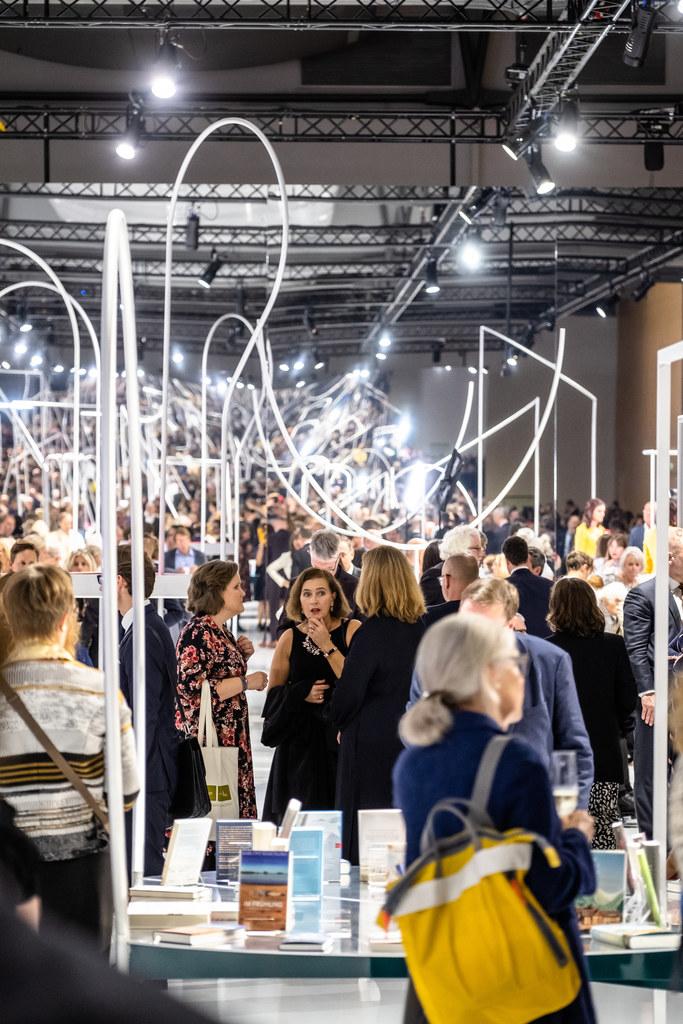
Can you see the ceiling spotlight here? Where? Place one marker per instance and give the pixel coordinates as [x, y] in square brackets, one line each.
[518, 71]
[239, 385]
[20, 349]
[128, 145]
[512, 359]
[36, 360]
[319, 363]
[309, 323]
[163, 82]
[601, 311]
[299, 364]
[470, 254]
[215, 264]
[26, 327]
[5, 365]
[499, 209]
[364, 373]
[543, 183]
[192, 230]
[432, 286]
[642, 23]
[300, 384]
[473, 370]
[58, 368]
[567, 133]
[177, 358]
[462, 212]
[381, 356]
[385, 339]
[284, 367]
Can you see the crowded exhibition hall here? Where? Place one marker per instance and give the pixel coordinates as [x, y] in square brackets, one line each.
[341, 511]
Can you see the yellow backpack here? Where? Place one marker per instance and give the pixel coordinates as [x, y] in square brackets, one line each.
[478, 944]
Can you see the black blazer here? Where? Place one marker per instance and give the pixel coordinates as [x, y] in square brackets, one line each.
[430, 585]
[439, 611]
[607, 695]
[160, 691]
[169, 558]
[534, 600]
[639, 631]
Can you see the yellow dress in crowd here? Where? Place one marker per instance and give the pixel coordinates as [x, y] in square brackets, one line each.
[586, 539]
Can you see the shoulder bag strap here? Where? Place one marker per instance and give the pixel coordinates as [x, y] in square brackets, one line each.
[483, 783]
[206, 733]
[15, 702]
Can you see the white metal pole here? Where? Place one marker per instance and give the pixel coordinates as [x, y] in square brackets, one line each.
[480, 425]
[537, 468]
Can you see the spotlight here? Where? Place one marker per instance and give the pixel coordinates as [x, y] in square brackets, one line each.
[437, 210]
[567, 134]
[300, 384]
[473, 370]
[470, 254]
[239, 385]
[26, 327]
[432, 286]
[364, 373]
[128, 145]
[177, 358]
[680, 6]
[5, 365]
[518, 71]
[36, 360]
[58, 368]
[318, 363]
[601, 311]
[642, 24]
[470, 213]
[309, 323]
[511, 359]
[543, 183]
[642, 288]
[381, 356]
[215, 264]
[92, 372]
[192, 230]
[499, 210]
[299, 364]
[20, 349]
[284, 367]
[165, 71]
[385, 339]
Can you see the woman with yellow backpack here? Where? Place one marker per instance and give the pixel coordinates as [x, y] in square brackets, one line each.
[486, 905]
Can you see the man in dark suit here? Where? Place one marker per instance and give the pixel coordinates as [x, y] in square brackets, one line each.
[461, 540]
[457, 573]
[639, 635]
[160, 689]
[551, 718]
[183, 557]
[534, 591]
[499, 531]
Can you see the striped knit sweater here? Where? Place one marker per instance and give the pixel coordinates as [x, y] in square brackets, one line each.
[67, 700]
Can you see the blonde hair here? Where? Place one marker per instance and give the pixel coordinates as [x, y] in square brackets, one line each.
[388, 587]
[450, 665]
[35, 602]
[85, 555]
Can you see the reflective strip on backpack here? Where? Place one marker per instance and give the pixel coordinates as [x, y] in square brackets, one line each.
[492, 861]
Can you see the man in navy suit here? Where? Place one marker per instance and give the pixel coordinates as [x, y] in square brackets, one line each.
[552, 718]
[183, 557]
[639, 636]
[160, 690]
[534, 591]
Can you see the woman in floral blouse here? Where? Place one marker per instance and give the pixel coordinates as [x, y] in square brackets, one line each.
[207, 651]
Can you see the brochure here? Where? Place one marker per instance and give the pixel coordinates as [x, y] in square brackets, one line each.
[306, 849]
[331, 823]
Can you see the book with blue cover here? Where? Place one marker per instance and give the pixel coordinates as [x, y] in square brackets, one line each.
[265, 890]
[331, 823]
[306, 846]
[232, 836]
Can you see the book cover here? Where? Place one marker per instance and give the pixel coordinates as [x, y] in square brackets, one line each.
[636, 936]
[606, 904]
[306, 847]
[265, 890]
[378, 828]
[192, 935]
[186, 851]
[331, 823]
[232, 836]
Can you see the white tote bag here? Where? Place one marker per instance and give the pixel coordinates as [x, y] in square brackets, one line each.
[221, 766]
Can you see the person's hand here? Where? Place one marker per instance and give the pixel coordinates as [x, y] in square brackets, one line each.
[647, 708]
[582, 821]
[257, 681]
[246, 647]
[317, 630]
[317, 692]
[518, 623]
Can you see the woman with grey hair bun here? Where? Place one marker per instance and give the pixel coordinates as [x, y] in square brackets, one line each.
[473, 680]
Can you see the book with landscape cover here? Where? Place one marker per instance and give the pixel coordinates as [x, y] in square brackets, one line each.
[265, 890]
[606, 904]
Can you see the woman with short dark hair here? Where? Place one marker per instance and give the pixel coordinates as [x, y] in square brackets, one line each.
[308, 661]
[208, 652]
[606, 689]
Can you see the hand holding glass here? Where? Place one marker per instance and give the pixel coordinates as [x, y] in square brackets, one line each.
[565, 782]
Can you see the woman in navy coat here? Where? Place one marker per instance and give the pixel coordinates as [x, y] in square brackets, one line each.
[474, 689]
[374, 687]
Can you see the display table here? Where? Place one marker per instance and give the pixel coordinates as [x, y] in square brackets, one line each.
[347, 914]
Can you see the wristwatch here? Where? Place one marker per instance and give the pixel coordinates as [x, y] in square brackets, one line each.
[330, 652]
[245, 683]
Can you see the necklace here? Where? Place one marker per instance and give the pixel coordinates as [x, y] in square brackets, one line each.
[311, 646]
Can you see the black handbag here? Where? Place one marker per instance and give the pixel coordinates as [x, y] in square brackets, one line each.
[191, 798]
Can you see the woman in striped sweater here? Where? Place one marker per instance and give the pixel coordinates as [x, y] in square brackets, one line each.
[67, 701]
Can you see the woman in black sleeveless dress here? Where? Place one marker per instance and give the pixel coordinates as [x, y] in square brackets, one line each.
[307, 663]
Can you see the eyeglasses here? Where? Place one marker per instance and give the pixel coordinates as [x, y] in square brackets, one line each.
[521, 660]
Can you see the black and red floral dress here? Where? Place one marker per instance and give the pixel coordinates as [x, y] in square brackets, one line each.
[207, 652]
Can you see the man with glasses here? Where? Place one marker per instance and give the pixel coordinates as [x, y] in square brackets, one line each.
[457, 573]
[461, 540]
[552, 718]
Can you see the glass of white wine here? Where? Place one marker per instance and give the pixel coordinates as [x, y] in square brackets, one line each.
[565, 782]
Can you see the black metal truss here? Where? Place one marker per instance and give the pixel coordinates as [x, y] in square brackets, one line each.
[394, 15]
[44, 121]
[198, 193]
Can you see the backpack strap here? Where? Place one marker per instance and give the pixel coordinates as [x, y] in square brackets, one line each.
[483, 782]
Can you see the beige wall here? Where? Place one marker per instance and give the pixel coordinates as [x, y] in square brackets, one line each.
[643, 328]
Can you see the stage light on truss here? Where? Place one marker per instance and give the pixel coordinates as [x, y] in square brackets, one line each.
[141, 373]
[470, 252]
[448, 367]
[385, 339]
[250, 386]
[240, 385]
[543, 182]
[177, 358]
[92, 372]
[679, 5]
[309, 323]
[381, 356]
[26, 327]
[284, 367]
[128, 145]
[5, 365]
[601, 311]
[192, 230]
[164, 77]
[58, 368]
[364, 373]
[300, 384]
[512, 358]
[319, 364]
[474, 370]
[21, 348]
[215, 264]
[567, 132]
[36, 360]
[299, 364]
[432, 286]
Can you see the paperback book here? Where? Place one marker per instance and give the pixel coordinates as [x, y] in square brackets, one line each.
[606, 904]
[265, 890]
[186, 851]
[232, 836]
[306, 847]
[378, 828]
[331, 823]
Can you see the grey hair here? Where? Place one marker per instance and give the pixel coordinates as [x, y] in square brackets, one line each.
[457, 541]
[450, 665]
[632, 550]
[325, 545]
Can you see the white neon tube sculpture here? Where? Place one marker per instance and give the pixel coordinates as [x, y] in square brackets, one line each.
[117, 277]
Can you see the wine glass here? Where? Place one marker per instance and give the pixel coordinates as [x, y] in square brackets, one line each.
[565, 782]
